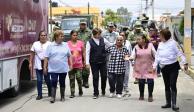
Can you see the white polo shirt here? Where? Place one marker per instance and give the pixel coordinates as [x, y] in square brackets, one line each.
[39, 50]
[168, 53]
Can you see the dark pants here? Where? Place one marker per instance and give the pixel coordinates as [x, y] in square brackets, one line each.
[54, 79]
[170, 75]
[85, 75]
[96, 68]
[39, 74]
[142, 86]
[158, 69]
[116, 80]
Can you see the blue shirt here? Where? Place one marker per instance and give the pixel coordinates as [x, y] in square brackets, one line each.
[58, 55]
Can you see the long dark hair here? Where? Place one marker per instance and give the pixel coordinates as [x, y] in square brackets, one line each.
[40, 34]
[72, 32]
[143, 36]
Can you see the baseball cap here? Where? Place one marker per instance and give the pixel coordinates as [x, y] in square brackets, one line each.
[110, 24]
[137, 25]
[83, 21]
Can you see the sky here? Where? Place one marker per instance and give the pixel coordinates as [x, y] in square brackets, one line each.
[134, 6]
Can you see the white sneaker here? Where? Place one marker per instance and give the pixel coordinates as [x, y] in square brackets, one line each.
[119, 96]
[111, 95]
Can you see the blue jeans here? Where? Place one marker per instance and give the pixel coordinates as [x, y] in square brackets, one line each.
[39, 74]
[54, 79]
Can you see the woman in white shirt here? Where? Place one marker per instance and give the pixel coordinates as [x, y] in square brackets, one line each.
[36, 61]
[166, 56]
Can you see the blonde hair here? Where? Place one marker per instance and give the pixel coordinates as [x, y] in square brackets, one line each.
[57, 33]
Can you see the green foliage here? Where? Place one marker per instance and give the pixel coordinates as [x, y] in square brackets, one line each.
[123, 11]
[125, 16]
[181, 27]
[111, 16]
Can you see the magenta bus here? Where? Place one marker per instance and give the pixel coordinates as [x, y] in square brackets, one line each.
[20, 22]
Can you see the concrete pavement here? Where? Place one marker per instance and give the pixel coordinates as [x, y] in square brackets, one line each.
[105, 104]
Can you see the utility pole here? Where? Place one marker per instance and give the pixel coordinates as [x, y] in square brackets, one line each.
[146, 8]
[187, 30]
[153, 9]
[141, 8]
[88, 8]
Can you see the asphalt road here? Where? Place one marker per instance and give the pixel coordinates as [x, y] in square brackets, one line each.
[26, 101]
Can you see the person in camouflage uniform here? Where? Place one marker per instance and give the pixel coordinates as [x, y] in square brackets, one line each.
[84, 34]
[136, 32]
[51, 36]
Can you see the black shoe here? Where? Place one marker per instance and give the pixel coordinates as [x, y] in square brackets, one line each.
[62, 99]
[38, 97]
[52, 100]
[95, 97]
[166, 106]
[80, 93]
[175, 108]
[174, 96]
[53, 95]
[103, 93]
[86, 85]
[72, 96]
[136, 82]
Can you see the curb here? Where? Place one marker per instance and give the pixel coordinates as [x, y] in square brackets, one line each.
[191, 72]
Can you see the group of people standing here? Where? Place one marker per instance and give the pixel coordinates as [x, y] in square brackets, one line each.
[108, 55]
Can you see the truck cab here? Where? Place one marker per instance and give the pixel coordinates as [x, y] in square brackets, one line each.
[72, 22]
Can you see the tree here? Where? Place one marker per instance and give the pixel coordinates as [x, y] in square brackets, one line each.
[125, 15]
[111, 16]
[122, 11]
